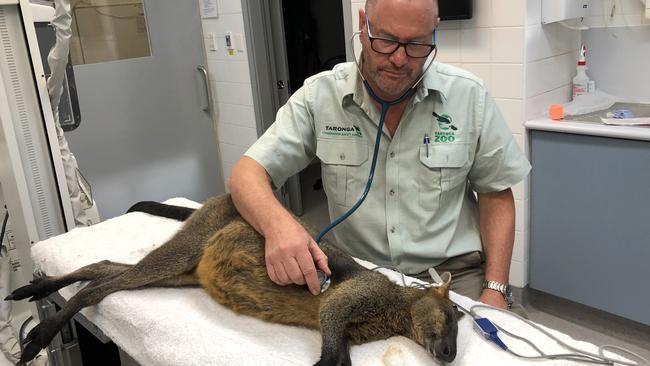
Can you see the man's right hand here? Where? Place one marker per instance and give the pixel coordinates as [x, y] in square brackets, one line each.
[292, 257]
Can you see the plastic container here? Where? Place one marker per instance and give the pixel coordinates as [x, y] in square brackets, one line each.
[581, 80]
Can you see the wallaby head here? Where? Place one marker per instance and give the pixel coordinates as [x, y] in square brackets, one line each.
[435, 321]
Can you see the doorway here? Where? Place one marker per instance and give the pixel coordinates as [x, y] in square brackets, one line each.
[147, 131]
[288, 41]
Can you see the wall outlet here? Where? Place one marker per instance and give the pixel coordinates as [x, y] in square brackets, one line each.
[212, 41]
[11, 240]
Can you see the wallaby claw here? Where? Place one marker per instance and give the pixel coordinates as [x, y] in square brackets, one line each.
[37, 289]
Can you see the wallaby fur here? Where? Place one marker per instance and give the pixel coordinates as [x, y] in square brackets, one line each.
[219, 251]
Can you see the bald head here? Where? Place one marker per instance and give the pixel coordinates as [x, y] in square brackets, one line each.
[371, 3]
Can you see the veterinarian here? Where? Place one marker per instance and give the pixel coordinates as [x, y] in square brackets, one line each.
[442, 144]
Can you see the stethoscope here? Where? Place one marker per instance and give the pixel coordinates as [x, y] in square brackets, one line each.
[385, 105]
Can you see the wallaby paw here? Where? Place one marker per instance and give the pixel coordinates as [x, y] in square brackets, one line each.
[37, 289]
[326, 361]
[37, 339]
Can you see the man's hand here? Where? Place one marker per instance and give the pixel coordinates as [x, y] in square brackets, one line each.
[292, 257]
[493, 298]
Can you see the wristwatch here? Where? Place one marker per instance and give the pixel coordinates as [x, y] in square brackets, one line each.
[503, 288]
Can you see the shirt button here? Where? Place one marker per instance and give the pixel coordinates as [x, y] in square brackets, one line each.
[392, 229]
[391, 192]
[342, 156]
[392, 154]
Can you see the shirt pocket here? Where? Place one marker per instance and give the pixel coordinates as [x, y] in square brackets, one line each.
[344, 170]
[445, 169]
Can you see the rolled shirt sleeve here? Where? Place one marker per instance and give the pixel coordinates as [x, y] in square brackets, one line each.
[288, 145]
[499, 162]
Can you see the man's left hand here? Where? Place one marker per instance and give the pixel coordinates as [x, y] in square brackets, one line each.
[493, 298]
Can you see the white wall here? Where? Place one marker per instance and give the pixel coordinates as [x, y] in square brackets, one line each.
[231, 85]
[619, 49]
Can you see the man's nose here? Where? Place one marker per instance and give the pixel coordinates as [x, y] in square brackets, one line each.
[399, 57]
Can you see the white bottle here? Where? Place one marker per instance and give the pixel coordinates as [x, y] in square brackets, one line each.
[581, 80]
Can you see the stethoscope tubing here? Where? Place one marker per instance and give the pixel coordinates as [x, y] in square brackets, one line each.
[385, 105]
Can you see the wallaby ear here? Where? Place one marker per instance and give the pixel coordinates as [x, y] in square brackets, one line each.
[442, 290]
[459, 314]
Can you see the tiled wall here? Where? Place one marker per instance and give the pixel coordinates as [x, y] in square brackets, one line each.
[231, 85]
[625, 13]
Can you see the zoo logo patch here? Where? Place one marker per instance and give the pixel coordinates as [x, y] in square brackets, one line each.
[447, 128]
[342, 131]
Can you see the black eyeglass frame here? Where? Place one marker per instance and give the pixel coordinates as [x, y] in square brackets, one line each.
[399, 44]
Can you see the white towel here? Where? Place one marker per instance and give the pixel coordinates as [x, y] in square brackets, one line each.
[185, 327]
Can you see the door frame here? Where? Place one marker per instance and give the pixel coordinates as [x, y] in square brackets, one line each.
[268, 67]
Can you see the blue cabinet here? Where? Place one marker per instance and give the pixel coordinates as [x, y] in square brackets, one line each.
[590, 221]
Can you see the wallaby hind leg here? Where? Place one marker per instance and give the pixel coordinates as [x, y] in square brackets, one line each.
[157, 268]
[41, 287]
[130, 278]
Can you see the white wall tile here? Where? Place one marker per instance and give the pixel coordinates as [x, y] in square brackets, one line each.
[549, 74]
[519, 215]
[482, 71]
[475, 45]
[508, 45]
[449, 24]
[513, 112]
[231, 153]
[544, 41]
[481, 17]
[230, 71]
[448, 45]
[518, 274]
[225, 23]
[226, 171]
[518, 190]
[519, 251]
[235, 114]
[508, 81]
[229, 6]
[234, 93]
[236, 135]
[533, 12]
[537, 106]
[508, 13]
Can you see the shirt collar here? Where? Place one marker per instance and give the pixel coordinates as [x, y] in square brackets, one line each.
[354, 90]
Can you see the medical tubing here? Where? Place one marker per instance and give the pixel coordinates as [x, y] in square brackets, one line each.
[582, 356]
[384, 109]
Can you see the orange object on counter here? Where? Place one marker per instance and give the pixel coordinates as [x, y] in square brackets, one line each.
[556, 112]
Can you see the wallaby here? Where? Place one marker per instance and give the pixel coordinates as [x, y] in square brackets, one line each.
[219, 251]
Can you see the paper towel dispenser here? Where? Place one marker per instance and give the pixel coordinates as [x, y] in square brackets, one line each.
[561, 10]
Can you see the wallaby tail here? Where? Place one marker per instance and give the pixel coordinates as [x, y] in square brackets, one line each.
[160, 209]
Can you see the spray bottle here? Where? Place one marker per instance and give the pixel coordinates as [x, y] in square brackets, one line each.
[581, 82]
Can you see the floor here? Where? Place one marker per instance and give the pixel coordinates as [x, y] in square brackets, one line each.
[576, 320]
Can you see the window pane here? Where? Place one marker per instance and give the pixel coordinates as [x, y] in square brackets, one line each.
[107, 30]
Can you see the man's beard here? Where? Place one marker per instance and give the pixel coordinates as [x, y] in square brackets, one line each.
[389, 85]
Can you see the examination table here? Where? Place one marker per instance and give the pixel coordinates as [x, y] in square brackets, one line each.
[185, 327]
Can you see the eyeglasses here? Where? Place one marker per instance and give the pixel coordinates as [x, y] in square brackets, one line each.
[387, 46]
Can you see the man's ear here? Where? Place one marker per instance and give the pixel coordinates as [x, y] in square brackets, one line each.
[362, 19]
[443, 290]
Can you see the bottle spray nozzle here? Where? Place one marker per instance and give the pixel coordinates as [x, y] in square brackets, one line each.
[582, 60]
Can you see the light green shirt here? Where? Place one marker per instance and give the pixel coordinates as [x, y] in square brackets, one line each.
[420, 209]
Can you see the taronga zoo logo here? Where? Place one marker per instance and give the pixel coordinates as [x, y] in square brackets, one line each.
[447, 128]
[347, 131]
